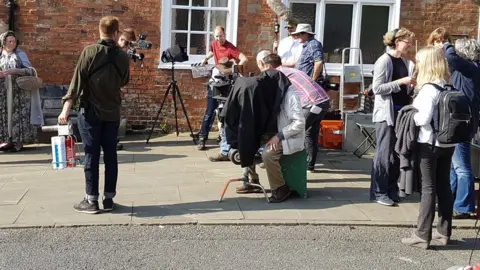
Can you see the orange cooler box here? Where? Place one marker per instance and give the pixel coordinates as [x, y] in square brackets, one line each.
[331, 134]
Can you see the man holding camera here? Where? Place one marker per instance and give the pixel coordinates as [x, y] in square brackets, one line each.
[124, 42]
[101, 71]
[219, 49]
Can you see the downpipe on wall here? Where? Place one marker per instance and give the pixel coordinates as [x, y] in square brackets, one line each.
[11, 4]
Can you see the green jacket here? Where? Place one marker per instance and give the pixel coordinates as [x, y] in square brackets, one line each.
[98, 84]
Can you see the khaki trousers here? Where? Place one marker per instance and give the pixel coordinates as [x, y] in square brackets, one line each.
[271, 159]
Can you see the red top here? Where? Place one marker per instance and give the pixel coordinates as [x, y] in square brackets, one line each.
[226, 50]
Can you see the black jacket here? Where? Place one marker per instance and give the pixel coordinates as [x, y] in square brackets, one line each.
[407, 133]
[251, 111]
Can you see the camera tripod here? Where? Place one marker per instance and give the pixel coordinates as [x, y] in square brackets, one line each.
[173, 87]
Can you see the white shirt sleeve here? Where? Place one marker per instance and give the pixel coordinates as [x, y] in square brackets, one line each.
[425, 103]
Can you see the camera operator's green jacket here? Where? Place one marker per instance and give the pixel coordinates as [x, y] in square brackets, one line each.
[101, 71]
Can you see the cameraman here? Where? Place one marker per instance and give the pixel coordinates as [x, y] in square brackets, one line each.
[219, 49]
[124, 42]
[126, 38]
[101, 71]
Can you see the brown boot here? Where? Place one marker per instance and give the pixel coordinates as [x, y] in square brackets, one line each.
[218, 157]
[280, 194]
[244, 189]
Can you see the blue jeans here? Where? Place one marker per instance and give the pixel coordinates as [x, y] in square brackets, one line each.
[210, 114]
[461, 179]
[98, 134]
[224, 146]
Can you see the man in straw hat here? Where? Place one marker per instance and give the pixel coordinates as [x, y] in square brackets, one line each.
[311, 60]
[288, 48]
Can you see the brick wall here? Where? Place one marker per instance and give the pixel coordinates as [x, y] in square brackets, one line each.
[53, 33]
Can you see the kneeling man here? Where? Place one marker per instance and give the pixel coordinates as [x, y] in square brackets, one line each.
[289, 139]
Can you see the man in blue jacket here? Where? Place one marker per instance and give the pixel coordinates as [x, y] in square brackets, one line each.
[463, 60]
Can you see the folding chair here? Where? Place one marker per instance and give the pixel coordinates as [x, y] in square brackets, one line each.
[369, 139]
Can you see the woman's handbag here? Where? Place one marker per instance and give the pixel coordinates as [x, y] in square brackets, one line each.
[29, 83]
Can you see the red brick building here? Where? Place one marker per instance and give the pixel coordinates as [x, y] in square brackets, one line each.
[53, 33]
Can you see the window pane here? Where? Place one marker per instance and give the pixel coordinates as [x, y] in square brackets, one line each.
[199, 3]
[199, 20]
[180, 2]
[305, 13]
[179, 39]
[179, 19]
[374, 26]
[197, 44]
[338, 31]
[218, 18]
[219, 3]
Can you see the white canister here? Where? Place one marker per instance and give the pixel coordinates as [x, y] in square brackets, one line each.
[59, 153]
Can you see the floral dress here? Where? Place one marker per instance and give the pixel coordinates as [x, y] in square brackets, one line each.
[22, 131]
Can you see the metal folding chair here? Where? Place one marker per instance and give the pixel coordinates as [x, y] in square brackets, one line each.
[369, 139]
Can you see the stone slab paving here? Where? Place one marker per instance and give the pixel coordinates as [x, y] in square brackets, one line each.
[170, 182]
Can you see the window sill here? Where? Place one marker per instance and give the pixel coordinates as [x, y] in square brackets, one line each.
[332, 70]
[181, 66]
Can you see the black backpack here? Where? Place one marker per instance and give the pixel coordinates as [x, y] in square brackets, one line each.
[453, 121]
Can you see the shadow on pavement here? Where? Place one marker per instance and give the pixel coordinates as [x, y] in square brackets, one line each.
[319, 198]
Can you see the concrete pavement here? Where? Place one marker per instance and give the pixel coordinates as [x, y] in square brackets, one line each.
[170, 182]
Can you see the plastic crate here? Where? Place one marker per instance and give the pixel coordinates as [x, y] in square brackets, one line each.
[331, 134]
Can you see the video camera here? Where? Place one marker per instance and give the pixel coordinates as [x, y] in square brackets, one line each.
[223, 84]
[326, 84]
[141, 43]
[174, 54]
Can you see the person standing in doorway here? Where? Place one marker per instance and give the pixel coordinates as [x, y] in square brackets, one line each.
[311, 59]
[289, 49]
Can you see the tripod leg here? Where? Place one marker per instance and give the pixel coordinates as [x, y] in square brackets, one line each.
[186, 115]
[174, 95]
[159, 111]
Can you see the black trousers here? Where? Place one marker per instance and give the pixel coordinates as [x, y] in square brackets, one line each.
[312, 131]
[435, 177]
[386, 164]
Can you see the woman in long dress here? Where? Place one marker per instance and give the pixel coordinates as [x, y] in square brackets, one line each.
[17, 124]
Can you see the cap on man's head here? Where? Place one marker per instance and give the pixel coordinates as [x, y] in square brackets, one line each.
[292, 23]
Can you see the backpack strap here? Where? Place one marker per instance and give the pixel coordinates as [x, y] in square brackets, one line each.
[432, 123]
[111, 59]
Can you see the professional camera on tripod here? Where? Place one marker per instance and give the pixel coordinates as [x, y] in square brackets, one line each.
[141, 43]
[171, 55]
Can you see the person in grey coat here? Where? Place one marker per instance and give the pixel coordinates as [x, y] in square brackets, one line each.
[392, 84]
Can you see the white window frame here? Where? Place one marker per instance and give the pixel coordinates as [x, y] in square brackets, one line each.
[166, 27]
[336, 68]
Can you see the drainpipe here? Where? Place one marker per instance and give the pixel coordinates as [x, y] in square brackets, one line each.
[11, 14]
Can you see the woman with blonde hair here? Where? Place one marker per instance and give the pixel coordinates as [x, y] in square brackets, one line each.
[434, 159]
[392, 83]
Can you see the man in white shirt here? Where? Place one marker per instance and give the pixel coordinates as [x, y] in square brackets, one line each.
[289, 49]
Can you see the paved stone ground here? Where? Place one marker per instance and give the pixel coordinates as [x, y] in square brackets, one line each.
[170, 182]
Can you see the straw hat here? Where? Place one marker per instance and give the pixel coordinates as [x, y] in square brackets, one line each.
[303, 28]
